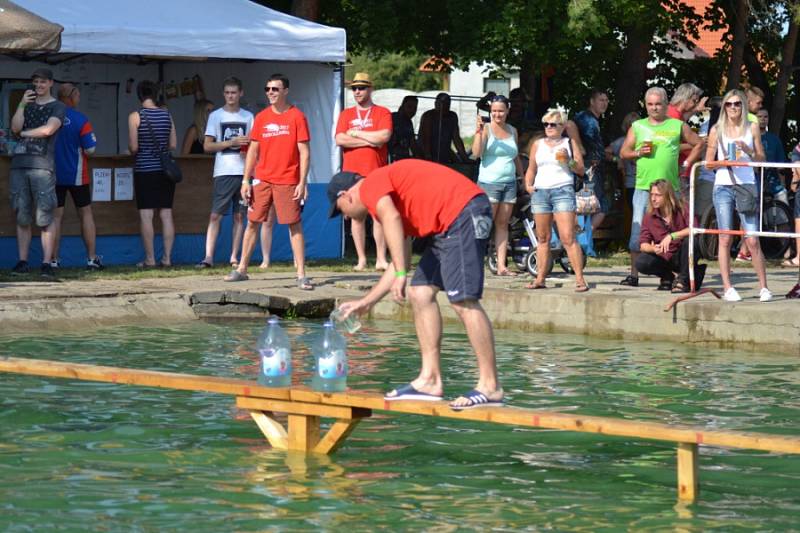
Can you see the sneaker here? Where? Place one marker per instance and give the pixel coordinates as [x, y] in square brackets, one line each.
[21, 268]
[764, 295]
[47, 271]
[55, 263]
[731, 296]
[742, 257]
[94, 264]
[630, 281]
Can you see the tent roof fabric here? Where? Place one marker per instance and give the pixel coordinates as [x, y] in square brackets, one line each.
[231, 29]
[23, 31]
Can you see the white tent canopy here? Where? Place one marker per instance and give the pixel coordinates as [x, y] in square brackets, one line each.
[189, 28]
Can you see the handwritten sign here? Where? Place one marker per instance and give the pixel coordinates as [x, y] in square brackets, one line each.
[123, 184]
[101, 185]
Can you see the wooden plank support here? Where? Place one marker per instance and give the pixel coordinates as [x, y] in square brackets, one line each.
[304, 423]
[687, 471]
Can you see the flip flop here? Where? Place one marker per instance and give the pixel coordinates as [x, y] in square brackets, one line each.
[789, 263]
[506, 274]
[203, 264]
[304, 284]
[408, 392]
[145, 266]
[534, 286]
[477, 399]
[581, 287]
[235, 275]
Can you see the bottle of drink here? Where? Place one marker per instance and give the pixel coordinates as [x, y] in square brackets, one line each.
[276, 356]
[351, 323]
[330, 355]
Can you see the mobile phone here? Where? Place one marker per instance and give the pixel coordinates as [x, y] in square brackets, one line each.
[31, 87]
[485, 120]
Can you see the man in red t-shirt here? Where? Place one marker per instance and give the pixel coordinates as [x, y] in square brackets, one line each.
[415, 198]
[279, 154]
[363, 131]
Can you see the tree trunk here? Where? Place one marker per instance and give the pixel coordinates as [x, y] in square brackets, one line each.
[632, 75]
[738, 22]
[306, 9]
[527, 81]
[778, 110]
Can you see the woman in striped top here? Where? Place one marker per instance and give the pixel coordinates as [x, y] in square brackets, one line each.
[151, 130]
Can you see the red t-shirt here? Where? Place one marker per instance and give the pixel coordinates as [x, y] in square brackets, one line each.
[429, 196]
[366, 159]
[672, 112]
[277, 135]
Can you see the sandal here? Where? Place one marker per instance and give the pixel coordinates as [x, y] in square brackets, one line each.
[203, 264]
[665, 285]
[581, 287]
[145, 266]
[506, 274]
[790, 263]
[678, 287]
[630, 281]
[304, 284]
[235, 275]
[534, 285]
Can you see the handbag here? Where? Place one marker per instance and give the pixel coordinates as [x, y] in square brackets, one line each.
[169, 167]
[586, 202]
[746, 194]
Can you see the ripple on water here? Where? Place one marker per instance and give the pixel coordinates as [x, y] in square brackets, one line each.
[124, 458]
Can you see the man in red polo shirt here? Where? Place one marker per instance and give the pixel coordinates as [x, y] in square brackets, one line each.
[279, 153]
[362, 132]
[414, 198]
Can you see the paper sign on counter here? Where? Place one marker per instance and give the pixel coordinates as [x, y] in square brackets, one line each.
[123, 184]
[101, 185]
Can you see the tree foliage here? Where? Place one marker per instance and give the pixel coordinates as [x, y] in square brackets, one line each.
[394, 71]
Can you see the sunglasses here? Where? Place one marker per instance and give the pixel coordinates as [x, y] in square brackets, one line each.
[733, 104]
[551, 124]
[359, 88]
[273, 89]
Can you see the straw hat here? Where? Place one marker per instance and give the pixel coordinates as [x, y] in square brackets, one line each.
[361, 79]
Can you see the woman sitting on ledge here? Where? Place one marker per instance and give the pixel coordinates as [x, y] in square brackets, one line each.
[664, 241]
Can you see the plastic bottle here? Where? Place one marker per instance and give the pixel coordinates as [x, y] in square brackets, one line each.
[351, 323]
[276, 356]
[330, 356]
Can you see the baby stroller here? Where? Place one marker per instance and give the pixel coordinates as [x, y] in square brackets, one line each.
[522, 241]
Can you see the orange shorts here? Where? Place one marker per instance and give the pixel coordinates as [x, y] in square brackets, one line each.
[265, 194]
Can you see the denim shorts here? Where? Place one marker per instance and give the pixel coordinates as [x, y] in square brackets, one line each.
[797, 205]
[557, 200]
[505, 193]
[724, 203]
[33, 195]
[453, 261]
[641, 197]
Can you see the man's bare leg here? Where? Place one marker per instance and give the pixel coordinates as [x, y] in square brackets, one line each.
[380, 245]
[359, 230]
[481, 337]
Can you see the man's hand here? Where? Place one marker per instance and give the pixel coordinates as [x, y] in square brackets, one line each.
[246, 192]
[357, 307]
[399, 289]
[299, 192]
[665, 242]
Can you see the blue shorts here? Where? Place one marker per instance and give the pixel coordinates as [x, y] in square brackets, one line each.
[641, 197]
[453, 261]
[724, 203]
[797, 205]
[500, 192]
[558, 200]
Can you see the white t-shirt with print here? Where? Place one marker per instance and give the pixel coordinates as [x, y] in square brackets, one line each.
[223, 125]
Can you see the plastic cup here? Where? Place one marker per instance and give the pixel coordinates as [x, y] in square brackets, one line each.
[351, 323]
[562, 157]
[648, 145]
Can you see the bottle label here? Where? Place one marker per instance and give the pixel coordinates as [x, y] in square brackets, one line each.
[333, 366]
[275, 363]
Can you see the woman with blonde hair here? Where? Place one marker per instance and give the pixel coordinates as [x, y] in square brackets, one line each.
[549, 179]
[195, 134]
[734, 136]
[664, 240]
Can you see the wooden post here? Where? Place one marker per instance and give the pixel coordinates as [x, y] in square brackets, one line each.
[303, 432]
[687, 471]
[272, 429]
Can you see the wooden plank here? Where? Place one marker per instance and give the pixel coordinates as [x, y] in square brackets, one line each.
[687, 471]
[370, 400]
[303, 432]
[272, 430]
[336, 435]
[300, 408]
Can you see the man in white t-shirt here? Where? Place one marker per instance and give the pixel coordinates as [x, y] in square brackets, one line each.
[227, 132]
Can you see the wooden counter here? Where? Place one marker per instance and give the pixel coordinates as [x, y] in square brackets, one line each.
[190, 210]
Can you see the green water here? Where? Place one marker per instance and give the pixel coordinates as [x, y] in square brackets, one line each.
[78, 456]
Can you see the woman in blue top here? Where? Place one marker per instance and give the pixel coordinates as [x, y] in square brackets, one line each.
[496, 144]
[151, 130]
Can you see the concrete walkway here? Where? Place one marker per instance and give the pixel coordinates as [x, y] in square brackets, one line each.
[608, 310]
